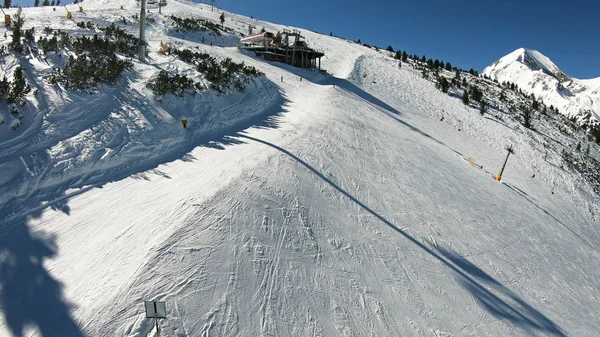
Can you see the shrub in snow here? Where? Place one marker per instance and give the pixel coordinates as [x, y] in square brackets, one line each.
[176, 85]
[221, 75]
[84, 72]
[47, 45]
[198, 25]
[15, 123]
[29, 35]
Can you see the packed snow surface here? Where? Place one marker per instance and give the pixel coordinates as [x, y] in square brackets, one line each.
[339, 205]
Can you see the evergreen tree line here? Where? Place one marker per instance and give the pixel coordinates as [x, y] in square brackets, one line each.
[177, 84]
[199, 25]
[85, 72]
[221, 75]
[97, 60]
[36, 3]
[86, 25]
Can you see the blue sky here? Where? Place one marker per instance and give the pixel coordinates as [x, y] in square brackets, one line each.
[467, 33]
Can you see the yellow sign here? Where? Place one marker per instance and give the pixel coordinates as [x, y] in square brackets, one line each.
[184, 122]
[69, 16]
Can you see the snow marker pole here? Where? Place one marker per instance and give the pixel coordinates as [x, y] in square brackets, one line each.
[142, 27]
[510, 150]
[156, 320]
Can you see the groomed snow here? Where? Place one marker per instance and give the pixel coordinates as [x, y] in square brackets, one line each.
[333, 206]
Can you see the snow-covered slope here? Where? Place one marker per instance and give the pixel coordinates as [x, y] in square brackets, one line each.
[536, 74]
[333, 206]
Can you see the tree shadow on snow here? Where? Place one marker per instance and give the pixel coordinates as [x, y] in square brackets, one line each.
[30, 297]
[500, 301]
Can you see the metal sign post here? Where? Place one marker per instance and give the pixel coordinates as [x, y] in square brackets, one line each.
[156, 310]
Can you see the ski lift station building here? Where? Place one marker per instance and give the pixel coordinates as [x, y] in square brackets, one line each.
[297, 53]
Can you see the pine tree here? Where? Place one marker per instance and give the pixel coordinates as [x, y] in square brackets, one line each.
[483, 107]
[457, 75]
[436, 63]
[36, 3]
[465, 97]
[57, 2]
[16, 37]
[464, 82]
[535, 104]
[4, 88]
[404, 56]
[389, 48]
[595, 131]
[358, 41]
[448, 66]
[423, 59]
[222, 18]
[527, 116]
[476, 94]
[7, 3]
[46, 3]
[398, 55]
[430, 63]
[443, 84]
[52, 3]
[19, 86]
[278, 38]
[263, 30]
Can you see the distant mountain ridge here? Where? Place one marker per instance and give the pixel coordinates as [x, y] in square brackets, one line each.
[536, 74]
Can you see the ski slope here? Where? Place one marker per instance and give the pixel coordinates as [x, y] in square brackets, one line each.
[339, 205]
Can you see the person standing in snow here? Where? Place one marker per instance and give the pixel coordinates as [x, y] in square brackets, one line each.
[282, 78]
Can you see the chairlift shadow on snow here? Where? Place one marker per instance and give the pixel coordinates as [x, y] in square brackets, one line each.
[390, 111]
[500, 301]
[526, 197]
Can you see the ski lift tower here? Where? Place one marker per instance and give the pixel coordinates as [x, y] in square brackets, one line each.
[296, 34]
[142, 28]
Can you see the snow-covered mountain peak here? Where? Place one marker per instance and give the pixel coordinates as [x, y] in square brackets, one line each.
[535, 73]
[529, 59]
